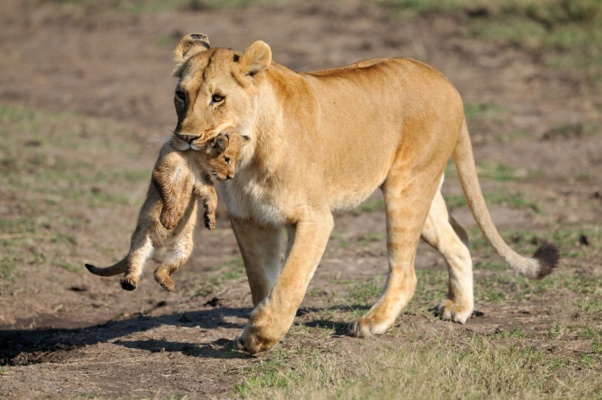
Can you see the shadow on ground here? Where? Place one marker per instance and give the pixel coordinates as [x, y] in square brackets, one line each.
[32, 346]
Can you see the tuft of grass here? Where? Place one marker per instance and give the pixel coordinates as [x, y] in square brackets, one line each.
[480, 368]
[220, 275]
[371, 205]
[482, 110]
[512, 200]
[360, 293]
[498, 172]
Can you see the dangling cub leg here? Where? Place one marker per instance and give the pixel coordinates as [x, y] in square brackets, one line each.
[177, 251]
[141, 250]
[446, 236]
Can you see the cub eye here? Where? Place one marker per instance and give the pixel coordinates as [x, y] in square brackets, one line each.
[216, 98]
[227, 160]
[180, 96]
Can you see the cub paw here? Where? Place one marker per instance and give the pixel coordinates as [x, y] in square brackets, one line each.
[165, 282]
[209, 221]
[450, 311]
[168, 221]
[128, 283]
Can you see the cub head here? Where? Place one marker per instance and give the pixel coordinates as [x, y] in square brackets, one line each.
[216, 89]
[219, 156]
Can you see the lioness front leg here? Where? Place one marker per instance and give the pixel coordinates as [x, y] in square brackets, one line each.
[260, 247]
[272, 318]
[446, 236]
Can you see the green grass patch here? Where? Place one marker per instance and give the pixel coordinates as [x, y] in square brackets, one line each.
[220, 275]
[497, 172]
[481, 368]
[55, 168]
[371, 205]
[512, 200]
[567, 31]
[482, 110]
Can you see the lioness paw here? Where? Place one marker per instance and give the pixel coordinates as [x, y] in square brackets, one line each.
[253, 340]
[366, 327]
[450, 311]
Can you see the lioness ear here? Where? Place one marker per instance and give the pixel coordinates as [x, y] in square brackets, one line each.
[257, 57]
[190, 45]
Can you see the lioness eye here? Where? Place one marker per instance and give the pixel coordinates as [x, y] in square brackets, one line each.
[216, 98]
[180, 96]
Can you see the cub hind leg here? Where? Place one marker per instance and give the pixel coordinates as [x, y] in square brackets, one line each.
[140, 251]
[446, 236]
[178, 251]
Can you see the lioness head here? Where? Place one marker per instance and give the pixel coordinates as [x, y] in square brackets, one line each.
[219, 156]
[216, 89]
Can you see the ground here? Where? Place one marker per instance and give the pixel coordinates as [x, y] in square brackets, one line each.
[86, 101]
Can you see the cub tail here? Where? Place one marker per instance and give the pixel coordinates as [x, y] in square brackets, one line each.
[118, 268]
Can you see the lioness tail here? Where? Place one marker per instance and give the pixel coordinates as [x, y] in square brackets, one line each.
[545, 258]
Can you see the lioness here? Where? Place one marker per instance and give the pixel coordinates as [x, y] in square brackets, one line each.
[324, 141]
[168, 216]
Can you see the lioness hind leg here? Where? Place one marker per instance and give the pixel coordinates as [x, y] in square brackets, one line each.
[407, 201]
[446, 236]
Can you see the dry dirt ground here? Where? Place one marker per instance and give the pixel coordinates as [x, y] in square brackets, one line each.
[65, 333]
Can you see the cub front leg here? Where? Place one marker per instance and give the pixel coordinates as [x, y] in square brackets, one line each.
[272, 318]
[173, 182]
[206, 192]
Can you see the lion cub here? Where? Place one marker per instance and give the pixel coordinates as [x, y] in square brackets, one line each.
[168, 216]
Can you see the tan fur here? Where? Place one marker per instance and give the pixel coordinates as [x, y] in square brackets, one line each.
[168, 216]
[324, 141]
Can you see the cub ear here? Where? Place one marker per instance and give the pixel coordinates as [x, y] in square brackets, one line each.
[218, 144]
[257, 57]
[190, 45]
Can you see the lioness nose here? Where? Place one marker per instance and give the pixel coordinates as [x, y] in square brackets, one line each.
[188, 138]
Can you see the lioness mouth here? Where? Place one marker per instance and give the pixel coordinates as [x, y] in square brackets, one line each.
[188, 138]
